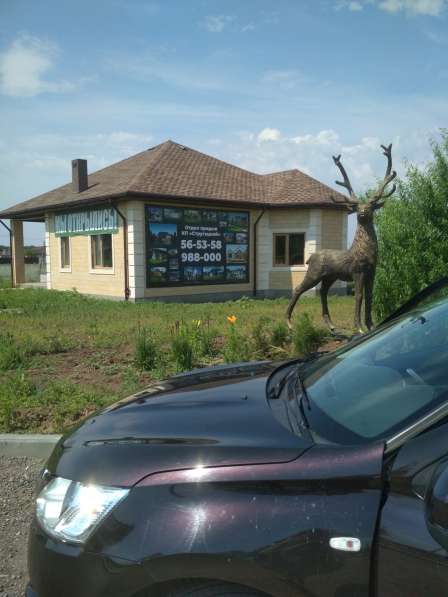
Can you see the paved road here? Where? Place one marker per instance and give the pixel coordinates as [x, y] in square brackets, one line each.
[17, 481]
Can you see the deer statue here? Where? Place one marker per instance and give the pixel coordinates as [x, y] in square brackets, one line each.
[358, 263]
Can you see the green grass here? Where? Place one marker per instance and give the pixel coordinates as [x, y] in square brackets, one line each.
[62, 354]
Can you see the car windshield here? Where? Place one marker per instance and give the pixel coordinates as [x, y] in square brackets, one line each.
[371, 389]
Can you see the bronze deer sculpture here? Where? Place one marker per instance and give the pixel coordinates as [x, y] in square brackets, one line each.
[358, 263]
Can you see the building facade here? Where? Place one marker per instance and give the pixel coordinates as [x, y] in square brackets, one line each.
[172, 223]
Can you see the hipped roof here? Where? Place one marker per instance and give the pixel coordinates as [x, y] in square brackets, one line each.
[173, 171]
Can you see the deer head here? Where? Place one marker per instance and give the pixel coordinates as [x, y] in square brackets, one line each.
[365, 210]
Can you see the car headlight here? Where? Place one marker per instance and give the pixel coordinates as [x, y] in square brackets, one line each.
[70, 511]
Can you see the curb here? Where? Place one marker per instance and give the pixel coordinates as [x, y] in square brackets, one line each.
[36, 445]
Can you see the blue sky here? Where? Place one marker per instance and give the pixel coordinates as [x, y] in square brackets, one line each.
[265, 85]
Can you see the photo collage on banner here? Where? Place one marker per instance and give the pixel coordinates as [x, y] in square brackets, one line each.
[187, 246]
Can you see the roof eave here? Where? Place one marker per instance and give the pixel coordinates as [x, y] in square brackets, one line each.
[128, 195]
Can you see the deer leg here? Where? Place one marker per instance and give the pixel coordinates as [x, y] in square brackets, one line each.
[368, 301]
[325, 287]
[307, 283]
[359, 287]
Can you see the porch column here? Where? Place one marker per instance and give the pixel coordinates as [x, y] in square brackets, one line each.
[18, 254]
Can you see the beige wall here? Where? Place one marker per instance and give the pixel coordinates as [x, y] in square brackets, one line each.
[81, 276]
[322, 229]
[333, 229]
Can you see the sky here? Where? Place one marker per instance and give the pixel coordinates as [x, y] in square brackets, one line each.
[264, 85]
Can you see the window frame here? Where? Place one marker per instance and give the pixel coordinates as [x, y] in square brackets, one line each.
[65, 268]
[287, 265]
[100, 269]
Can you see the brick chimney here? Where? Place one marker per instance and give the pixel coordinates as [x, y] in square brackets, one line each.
[79, 175]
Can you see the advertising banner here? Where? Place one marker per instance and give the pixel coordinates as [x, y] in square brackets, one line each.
[192, 246]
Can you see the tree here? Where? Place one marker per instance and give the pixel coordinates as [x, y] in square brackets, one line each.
[413, 233]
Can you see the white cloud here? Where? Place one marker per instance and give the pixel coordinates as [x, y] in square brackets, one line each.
[312, 153]
[217, 23]
[23, 67]
[248, 27]
[355, 6]
[268, 134]
[432, 8]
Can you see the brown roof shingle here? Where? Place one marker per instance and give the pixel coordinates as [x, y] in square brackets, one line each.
[175, 171]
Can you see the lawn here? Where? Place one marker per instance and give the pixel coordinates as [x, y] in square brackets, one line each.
[63, 355]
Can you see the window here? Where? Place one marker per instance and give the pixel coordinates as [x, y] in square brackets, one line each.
[379, 385]
[289, 249]
[101, 251]
[65, 252]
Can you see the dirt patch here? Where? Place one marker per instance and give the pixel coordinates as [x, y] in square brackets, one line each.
[103, 369]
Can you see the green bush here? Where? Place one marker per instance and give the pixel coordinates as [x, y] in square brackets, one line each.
[413, 233]
[146, 350]
[306, 336]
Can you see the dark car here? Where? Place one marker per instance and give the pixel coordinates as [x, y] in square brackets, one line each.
[326, 477]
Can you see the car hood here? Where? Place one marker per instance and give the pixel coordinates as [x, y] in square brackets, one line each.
[211, 417]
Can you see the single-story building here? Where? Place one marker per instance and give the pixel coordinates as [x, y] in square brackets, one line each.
[172, 223]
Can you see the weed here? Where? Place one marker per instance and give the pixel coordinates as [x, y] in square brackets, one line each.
[306, 336]
[280, 335]
[261, 340]
[182, 346]
[145, 350]
[236, 348]
[12, 354]
[14, 389]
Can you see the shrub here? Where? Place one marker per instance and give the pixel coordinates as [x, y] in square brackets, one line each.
[203, 338]
[280, 335]
[145, 350]
[413, 233]
[306, 336]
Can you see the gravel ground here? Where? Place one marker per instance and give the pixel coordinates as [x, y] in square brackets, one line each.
[18, 477]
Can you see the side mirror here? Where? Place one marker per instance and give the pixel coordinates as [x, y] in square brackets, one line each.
[437, 506]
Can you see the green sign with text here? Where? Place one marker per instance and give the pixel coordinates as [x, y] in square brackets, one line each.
[90, 221]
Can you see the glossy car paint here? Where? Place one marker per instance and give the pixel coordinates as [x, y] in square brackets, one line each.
[411, 561]
[234, 502]
[216, 416]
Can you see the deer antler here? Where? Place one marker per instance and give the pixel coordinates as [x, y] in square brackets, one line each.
[388, 177]
[346, 184]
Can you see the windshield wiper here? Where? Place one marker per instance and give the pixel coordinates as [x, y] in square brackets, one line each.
[275, 392]
[302, 399]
